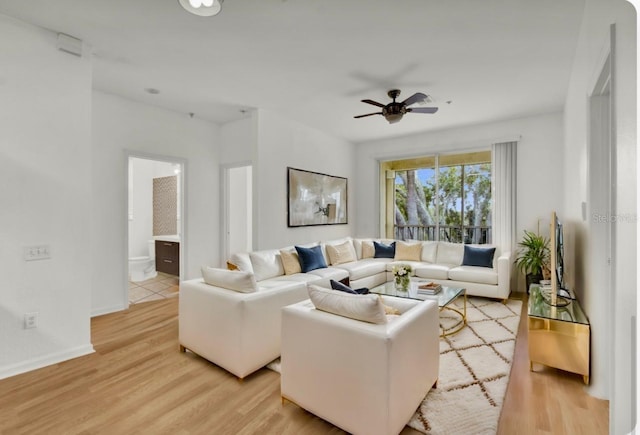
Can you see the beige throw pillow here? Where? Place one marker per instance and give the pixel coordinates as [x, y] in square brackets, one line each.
[408, 251]
[243, 282]
[290, 262]
[342, 253]
[367, 308]
[368, 251]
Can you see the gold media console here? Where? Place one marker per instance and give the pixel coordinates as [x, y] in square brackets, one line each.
[558, 336]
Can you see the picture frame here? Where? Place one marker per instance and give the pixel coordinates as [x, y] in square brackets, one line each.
[314, 198]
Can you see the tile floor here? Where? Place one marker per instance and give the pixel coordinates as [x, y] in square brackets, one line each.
[161, 287]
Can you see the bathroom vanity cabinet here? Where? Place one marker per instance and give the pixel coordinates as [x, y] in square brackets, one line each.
[168, 257]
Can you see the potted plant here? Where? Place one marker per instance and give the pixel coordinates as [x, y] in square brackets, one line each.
[533, 257]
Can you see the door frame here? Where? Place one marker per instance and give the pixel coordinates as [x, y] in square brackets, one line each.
[182, 191]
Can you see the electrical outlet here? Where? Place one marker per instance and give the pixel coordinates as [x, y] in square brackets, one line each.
[30, 320]
[40, 252]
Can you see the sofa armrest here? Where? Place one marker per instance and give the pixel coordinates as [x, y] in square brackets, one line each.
[504, 275]
[237, 331]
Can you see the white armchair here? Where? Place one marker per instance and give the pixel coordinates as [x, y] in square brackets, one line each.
[239, 332]
[364, 378]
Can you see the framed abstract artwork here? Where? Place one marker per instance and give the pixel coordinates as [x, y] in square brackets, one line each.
[315, 198]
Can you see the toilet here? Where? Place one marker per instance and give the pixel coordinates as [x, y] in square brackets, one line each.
[143, 268]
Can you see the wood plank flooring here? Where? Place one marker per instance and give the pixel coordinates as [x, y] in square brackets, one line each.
[137, 382]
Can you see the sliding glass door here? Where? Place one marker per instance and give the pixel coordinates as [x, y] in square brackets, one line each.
[441, 197]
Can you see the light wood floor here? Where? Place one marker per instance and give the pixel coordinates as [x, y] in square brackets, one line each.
[137, 382]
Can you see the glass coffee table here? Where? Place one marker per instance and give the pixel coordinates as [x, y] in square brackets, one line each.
[445, 299]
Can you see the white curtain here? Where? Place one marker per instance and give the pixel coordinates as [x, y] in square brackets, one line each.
[504, 188]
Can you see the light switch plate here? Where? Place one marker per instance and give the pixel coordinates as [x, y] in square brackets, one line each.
[39, 252]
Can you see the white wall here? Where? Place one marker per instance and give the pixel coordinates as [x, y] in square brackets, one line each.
[120, 125]
[539, 171]
[45, 174]
[283, 143]
[610, 334]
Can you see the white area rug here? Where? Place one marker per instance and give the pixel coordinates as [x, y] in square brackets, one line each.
[474, 370]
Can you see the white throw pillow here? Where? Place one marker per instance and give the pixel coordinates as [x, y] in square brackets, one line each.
[429, 250]
[450, 253]
[236, 280]
[266, 264]
[342, 253]
[367, 308]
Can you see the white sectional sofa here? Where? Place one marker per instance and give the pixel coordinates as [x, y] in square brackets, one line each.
[235, 323]
[441, 262]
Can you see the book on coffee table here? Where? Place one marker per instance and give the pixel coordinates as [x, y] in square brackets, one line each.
[429, 288]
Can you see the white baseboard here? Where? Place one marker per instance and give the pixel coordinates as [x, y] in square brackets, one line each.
[43, 361]
[109, 310]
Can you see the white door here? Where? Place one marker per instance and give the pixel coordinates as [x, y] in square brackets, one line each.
[238, 206]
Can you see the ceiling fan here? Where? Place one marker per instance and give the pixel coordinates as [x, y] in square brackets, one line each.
[394, 111]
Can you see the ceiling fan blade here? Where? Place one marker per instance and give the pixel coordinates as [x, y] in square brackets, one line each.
[368, 114]
[422, 109]
[415, 98]
[375, 103]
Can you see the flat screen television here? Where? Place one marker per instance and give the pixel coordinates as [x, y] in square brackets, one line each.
[557, 260]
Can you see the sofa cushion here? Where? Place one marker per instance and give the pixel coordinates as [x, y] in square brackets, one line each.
[408, 251]
[432, 271]
[329, 273]
[450, 253]
[368, 251]
[266, 264]
[342, 253]
[367, 308]
[290, 261]
[294, 277]
[480, 275]
[236, 280]
[429, 251]
[311, 258]
[413, 264]
[477, 256]
[366, 267]
[384, 251]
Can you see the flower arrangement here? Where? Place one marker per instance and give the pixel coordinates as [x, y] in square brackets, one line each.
[401, 273]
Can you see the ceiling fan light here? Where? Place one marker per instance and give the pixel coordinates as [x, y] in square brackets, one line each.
[202, 8]
[393, 118]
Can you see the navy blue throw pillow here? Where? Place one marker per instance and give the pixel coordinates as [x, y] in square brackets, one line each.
[384, 251]
[337, 285]
[474, 256]
[311, 258]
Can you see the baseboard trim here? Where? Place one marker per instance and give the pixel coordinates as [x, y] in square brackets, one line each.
[44, 361]
[109, 310]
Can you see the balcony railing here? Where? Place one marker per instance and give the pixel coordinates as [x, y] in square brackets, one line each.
[447, 233]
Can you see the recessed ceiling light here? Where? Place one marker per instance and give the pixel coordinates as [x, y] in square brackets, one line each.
[152, 91]
[203, 8]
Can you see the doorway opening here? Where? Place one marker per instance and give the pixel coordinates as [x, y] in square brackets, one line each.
[155, 227]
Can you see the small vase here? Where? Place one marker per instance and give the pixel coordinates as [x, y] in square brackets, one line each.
[402, 284]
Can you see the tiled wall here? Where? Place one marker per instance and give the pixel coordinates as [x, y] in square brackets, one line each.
[165, 205]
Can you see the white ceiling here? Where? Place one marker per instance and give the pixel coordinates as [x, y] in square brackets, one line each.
[314, 60]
